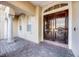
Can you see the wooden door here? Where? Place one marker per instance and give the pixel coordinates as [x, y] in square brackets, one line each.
[56, 27]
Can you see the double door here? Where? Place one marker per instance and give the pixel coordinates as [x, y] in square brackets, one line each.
[56, 27]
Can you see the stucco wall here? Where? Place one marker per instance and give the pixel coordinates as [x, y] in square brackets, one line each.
[75, 24]
[35, 34]
[23, 33]
[15, 26]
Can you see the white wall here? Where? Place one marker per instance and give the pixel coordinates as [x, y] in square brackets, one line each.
[75, 23]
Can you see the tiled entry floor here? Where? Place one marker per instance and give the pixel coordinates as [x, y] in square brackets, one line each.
[24, 48]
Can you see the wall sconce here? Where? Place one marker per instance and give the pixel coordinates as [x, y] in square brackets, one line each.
[74, 28]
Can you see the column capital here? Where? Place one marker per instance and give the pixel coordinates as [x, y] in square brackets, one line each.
[10, 15]
[9, 12]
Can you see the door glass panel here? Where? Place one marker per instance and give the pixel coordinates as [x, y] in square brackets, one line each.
[60, 27]
[60, 22]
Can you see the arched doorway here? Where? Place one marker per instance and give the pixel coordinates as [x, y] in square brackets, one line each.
[57, 14]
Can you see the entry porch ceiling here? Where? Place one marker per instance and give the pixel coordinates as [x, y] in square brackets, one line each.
[41, 3]
[20, 7]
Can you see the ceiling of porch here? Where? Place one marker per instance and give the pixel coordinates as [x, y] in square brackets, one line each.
[41, 3]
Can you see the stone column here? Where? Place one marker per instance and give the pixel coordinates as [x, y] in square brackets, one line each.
[9, 14]
[10, 28]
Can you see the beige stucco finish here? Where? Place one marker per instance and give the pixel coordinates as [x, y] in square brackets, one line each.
[25, 6]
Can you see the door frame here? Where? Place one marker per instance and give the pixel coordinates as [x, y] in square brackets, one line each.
[69, 26]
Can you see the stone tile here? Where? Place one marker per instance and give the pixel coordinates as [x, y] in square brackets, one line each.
[24, 48]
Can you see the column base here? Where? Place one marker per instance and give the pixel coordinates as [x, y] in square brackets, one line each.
[10, 41]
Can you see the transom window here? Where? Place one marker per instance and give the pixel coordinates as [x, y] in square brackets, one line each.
[56, 7]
